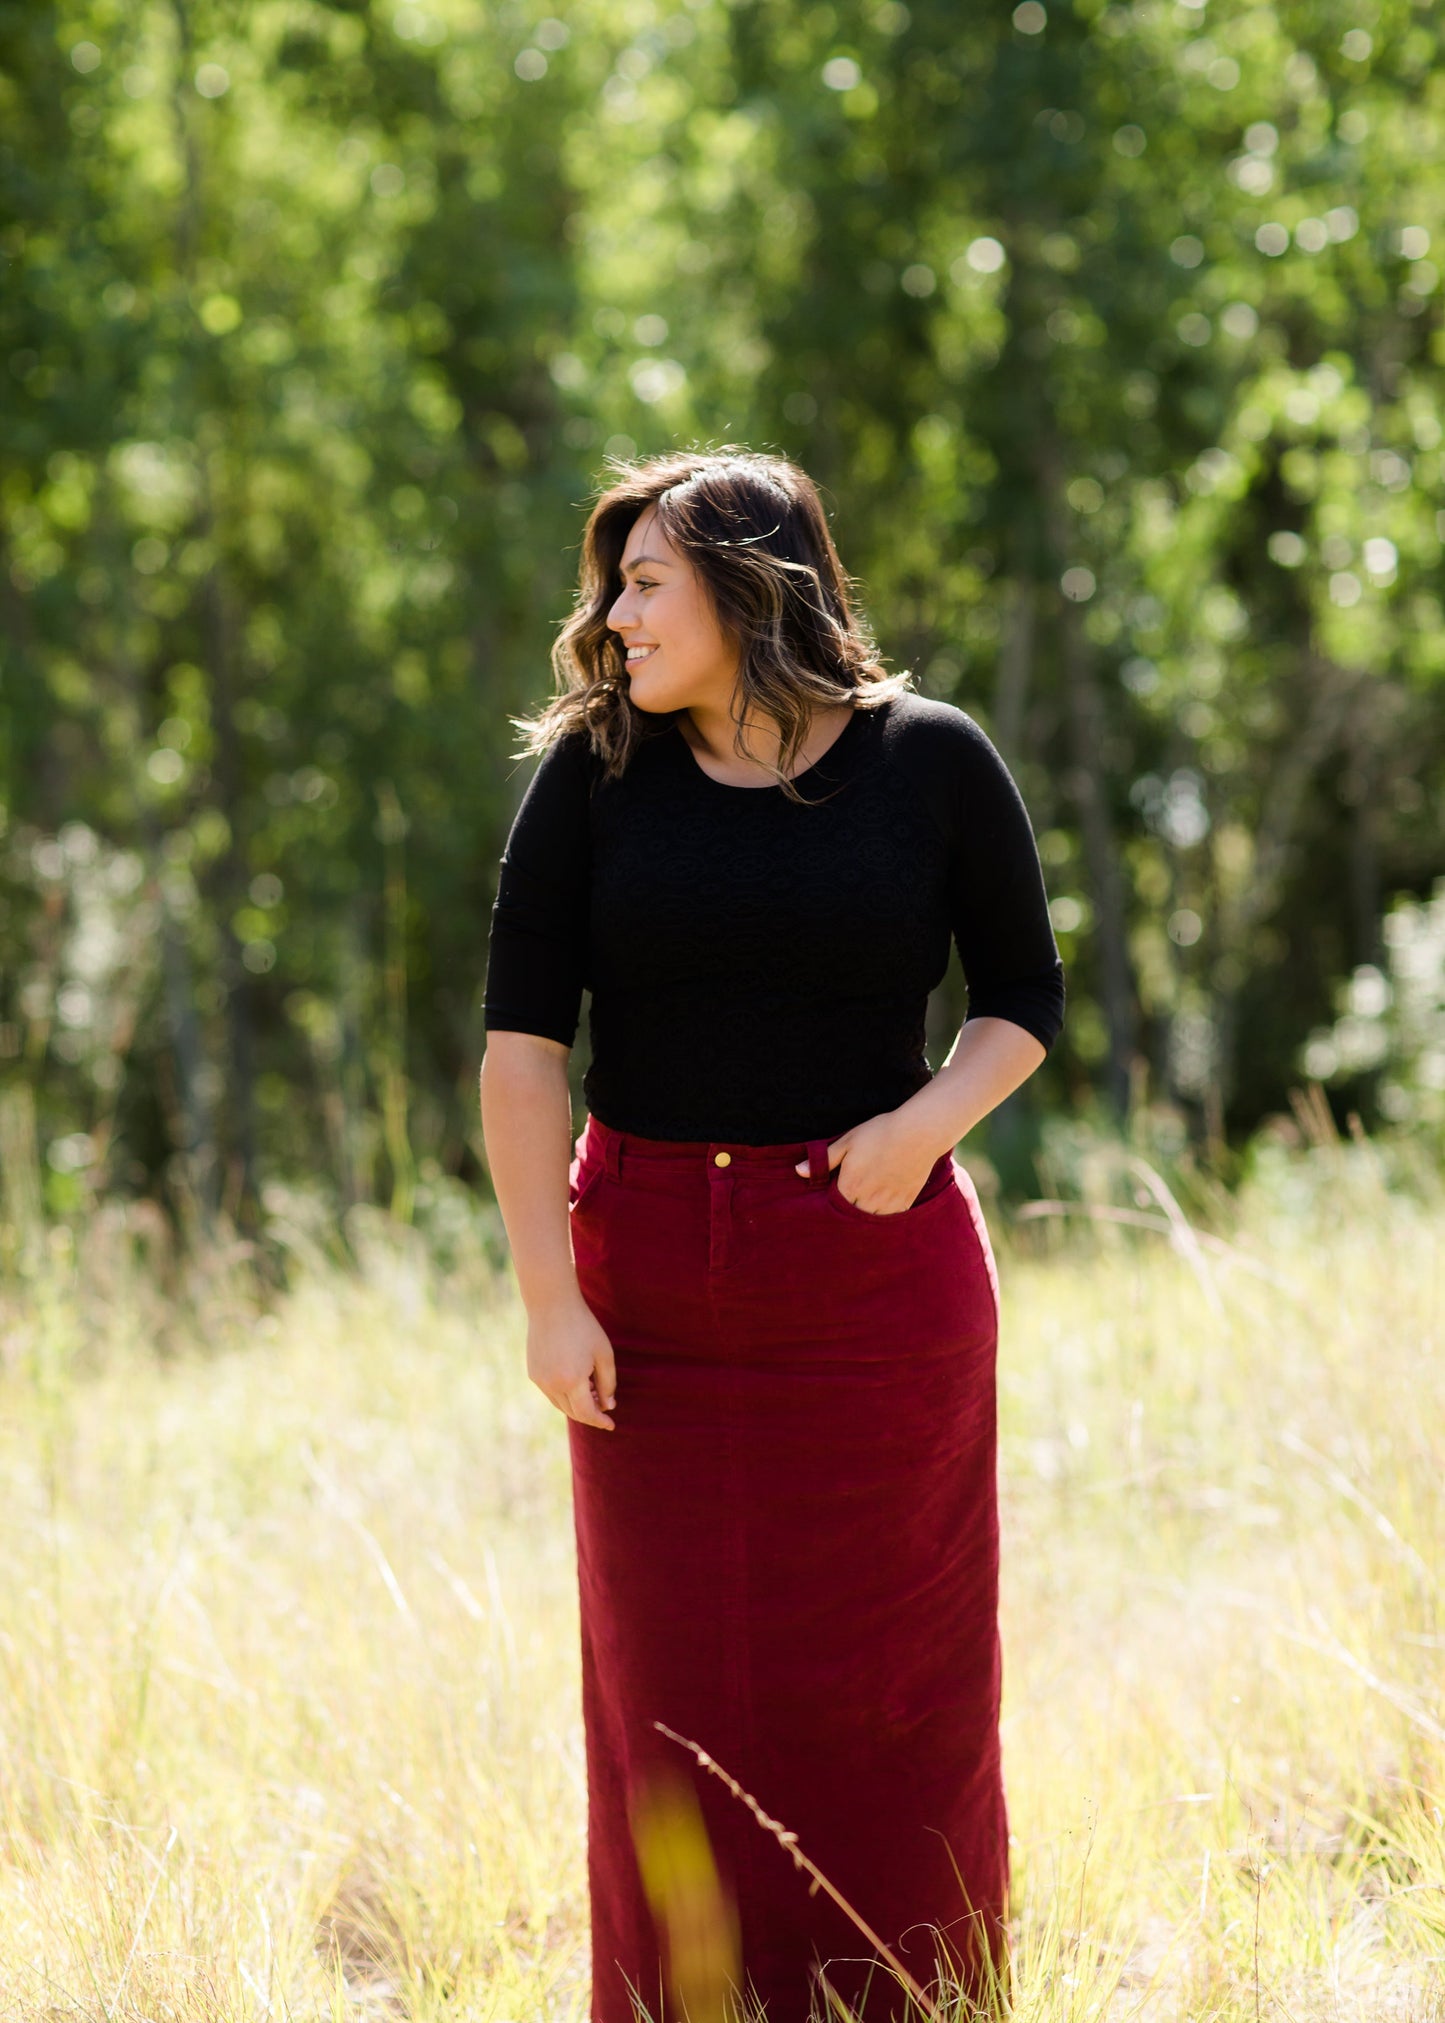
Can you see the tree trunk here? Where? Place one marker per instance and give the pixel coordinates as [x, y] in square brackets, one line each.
[228, 887]
[1015, 668]
[1084, 717]
[1312, 734]
[229, 891]
[192, 1126]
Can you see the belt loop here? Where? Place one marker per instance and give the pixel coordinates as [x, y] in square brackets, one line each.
[818, 1168]
[613, 1146]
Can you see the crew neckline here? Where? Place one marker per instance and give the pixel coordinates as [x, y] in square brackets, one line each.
[773, 786]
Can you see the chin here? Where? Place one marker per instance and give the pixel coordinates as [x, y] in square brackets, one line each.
[652, 701]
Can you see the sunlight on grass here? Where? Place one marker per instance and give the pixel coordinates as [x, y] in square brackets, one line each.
[288, 1679]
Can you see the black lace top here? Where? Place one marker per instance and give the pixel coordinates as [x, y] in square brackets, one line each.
[759, 970]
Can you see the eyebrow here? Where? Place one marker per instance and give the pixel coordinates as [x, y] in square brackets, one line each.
[657, 561]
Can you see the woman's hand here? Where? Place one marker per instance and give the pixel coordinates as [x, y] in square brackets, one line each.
[883, 1162]
[569, 1359]
[527, 1121]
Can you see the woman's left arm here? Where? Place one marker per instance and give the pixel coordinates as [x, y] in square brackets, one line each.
[889, 1156]
[989, 1060]
[1005, 940]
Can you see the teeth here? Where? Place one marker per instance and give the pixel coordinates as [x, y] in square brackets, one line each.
[640, 652]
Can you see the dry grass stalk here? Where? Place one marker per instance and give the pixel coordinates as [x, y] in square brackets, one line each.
[789, 1842]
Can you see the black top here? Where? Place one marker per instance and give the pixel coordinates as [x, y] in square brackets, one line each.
[759, 969]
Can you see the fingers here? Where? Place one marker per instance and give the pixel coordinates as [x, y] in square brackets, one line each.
[604, 1377]
[580, 1403]
[835, 1154]
[587, 1395]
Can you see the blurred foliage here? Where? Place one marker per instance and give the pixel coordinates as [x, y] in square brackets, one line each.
[1391, 1022]
[1112, 331]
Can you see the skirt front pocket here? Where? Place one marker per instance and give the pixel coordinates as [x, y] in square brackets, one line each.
[940, 1182]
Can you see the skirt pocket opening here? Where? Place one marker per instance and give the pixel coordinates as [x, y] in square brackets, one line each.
[939, 1184]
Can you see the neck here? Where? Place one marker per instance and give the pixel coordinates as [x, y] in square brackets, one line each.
[710, 732]
[711, 729]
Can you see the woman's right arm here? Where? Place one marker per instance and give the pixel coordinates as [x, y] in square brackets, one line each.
[537, 968]
[527, 1125]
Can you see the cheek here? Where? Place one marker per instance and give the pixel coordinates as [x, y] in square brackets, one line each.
[667, 620]
[695, 627]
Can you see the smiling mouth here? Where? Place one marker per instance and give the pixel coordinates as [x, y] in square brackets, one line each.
[637, 654]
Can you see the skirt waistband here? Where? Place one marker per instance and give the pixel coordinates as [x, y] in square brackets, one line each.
[625, 1148]
[621, 1149]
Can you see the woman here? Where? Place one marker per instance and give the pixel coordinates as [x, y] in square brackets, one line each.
[763, 1293]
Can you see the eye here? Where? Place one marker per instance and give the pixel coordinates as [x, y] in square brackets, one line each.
[645, 582]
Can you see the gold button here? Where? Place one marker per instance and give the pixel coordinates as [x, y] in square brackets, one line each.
[722, 1158]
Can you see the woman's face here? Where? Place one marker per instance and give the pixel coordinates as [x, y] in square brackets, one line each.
[677, 654]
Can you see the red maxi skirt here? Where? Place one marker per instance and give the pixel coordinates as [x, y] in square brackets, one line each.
[788, 1554]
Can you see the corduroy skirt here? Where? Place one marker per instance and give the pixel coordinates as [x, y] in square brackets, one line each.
[787, 1556]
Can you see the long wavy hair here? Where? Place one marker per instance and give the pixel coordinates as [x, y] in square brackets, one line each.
[753, 527]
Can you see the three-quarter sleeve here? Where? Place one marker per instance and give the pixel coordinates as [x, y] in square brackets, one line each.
[537, 958]
[997, 902]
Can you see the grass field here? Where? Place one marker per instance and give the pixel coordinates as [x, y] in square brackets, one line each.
[288, 1693]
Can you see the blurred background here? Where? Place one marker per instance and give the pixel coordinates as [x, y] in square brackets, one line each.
[1113, 333]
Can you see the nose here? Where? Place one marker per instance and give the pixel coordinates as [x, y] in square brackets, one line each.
[619, 618]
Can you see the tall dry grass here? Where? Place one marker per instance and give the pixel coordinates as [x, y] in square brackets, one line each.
[288, 1695]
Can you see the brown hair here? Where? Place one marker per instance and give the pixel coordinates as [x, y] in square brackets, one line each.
[753, 527]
